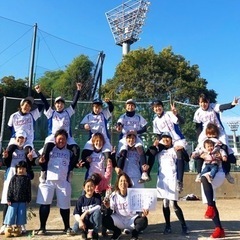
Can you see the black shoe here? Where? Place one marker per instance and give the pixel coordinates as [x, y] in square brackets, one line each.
[167, 230]
[116, 234]
[185, 230]
[94, 236]
[83, 235]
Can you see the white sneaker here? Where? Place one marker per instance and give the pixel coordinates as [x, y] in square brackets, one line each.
[24, 230]
[230, 178]
[2, 229]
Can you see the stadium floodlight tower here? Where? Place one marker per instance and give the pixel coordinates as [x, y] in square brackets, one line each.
[126, 22]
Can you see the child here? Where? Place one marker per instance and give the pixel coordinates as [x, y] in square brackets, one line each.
[96, 122]
[59, 166]
[167, 183]
[59, 119]
[19, 194]
[11, 157]
[213, 155]
[133, 163]
[212, 132]
[24, 119]
[87, 211]
[119, 216]
[168, 121]
[210, 113]
[95, 160]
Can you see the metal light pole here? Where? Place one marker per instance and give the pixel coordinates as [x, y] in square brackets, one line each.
[126, 22]
[233, 125]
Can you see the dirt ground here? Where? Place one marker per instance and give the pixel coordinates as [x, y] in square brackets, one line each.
[199, 227]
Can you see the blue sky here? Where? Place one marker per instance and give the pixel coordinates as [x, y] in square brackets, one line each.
[205, 32]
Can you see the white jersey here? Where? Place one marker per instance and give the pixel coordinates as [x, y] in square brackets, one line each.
[167, 174]
[18, 121]
[98, 123]
[17, 156]
[97, 164]
[168, 122]
[211, 115]
[59, 120]
[136, 122]
[58, 165]
[132, 164]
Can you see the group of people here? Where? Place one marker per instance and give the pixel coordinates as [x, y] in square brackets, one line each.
[100, 206]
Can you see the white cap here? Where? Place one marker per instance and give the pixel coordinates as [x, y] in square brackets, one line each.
[21, 133]
[60, 98]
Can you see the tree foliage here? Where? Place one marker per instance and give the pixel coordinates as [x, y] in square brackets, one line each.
[64, 82]
[145, 75]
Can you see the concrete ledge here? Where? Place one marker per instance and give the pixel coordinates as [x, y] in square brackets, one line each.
[227, 190]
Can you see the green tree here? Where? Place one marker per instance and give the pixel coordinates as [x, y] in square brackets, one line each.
[12, 87]
[64, 82]
[145, 75]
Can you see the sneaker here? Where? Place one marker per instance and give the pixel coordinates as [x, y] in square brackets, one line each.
[230, 178]
[2, 229]
[70, 232]
[185, 230]
[126, 231]
[198, 178]
[179, 186]
[144, 178]
[90, 233]
[41, 232]
[94, 236]
[23, 229]
[218, 233]
[16, 232]
[167, 230]
[8, 232]
[210, 213]
[116, 235]
[83, 235]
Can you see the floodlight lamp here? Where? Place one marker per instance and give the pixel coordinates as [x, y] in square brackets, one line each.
[126, 21]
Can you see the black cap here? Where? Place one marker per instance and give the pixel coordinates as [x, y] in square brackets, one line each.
[156, 102]
[97, 101]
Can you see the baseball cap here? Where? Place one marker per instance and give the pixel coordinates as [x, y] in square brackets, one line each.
[166, 134]
[21, 133]
[27, 99]
[60, 98]
[97, 101]
[131, 101]
[131, 132]
[156, 102]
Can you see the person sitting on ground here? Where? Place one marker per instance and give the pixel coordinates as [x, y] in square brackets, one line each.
[87, 211]
[119, 216]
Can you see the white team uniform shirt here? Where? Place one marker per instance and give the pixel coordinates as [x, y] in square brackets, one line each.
[98, 164]
[211, 115]
[122, 217]
[132, 167]
[18, 155]
[136, 123]
[24, 122]
[167, 123]
[98, 124]
[167, 175]
[56, 179]
[59, 120]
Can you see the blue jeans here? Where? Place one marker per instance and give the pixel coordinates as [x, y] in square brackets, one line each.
[91, 221]
[16, 214]
[212, 168]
